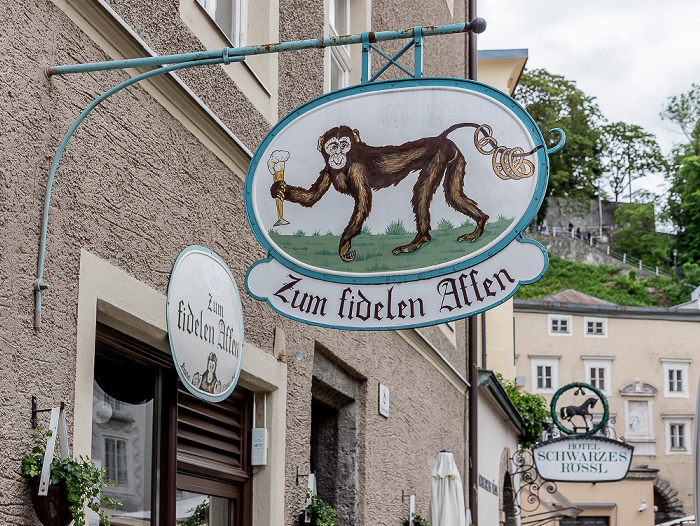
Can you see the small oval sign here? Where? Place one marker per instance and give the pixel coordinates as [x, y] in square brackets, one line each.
[205, 324]
[396, 181]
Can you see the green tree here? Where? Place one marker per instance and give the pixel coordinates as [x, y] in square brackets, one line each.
[684, 209]
[555, 102]
[638, 236]
[533, 409]
[628, 153]
[684, 111]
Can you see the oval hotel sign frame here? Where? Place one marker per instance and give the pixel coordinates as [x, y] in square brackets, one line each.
[204, 316]
[397, 204]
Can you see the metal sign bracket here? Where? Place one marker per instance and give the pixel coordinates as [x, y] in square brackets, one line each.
[170, 63]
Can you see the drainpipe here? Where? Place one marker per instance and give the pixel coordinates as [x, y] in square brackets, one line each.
[472, 354]
[472, 357]
[483, 340]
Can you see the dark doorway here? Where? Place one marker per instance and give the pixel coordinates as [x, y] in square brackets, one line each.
[586, 521]
[324, 449]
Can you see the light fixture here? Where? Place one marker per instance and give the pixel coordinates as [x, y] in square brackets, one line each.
[101, 411]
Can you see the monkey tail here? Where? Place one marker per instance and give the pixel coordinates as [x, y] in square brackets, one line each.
[457, 126]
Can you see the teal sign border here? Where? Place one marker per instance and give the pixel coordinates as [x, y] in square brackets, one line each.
[469, 85]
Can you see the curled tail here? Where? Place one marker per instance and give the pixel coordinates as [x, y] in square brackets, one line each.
[507, 163]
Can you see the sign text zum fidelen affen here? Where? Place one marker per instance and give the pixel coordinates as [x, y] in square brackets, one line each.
[208, 325]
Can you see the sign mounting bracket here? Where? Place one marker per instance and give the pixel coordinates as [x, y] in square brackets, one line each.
[170, 63]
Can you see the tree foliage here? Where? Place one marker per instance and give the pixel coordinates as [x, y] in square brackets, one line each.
[684, 209]
[555, 102]
[628, 153]
[638, 237]
[533, 409]
[684, 111]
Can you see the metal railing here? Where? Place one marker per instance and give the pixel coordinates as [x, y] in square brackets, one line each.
[596, 243]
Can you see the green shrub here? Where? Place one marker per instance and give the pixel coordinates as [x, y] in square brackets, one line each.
[444, 225]
[533, 409]
[321, 513]
[395, 228]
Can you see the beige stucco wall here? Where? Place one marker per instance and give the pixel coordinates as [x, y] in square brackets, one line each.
[502, 442]
[619, 501]
[145, 177]
[499, 340]
[637, 347]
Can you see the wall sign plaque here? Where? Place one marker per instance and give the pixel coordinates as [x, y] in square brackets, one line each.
[426, 182]
[205, 324]
[582, 458]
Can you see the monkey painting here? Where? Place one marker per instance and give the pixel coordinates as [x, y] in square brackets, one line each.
[356, 169]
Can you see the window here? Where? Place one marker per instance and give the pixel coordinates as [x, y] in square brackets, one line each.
[230, 16]
[339, 25]
[678, 439]
[545, 377]
[598, 372]
[115, 459]
[166, 449]
[677, 436]
[595, 327]
[559, 325]
[675, 380]
[675, 377]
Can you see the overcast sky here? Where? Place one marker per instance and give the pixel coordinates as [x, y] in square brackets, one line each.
[631, 55]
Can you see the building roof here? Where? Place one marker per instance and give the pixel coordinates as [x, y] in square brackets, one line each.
[577, 303]
[488, 380]
[574, 296]
[501, 68]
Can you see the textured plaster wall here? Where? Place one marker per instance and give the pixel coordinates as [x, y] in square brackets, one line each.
[134, 187]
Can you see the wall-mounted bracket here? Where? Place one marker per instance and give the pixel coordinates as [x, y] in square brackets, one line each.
[170, 63]
[35, 411]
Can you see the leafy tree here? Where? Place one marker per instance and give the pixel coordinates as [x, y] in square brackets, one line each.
[628, 153]
[638, 236]
[533, 409]
[555, 102]
[684, 111]
[684, 209]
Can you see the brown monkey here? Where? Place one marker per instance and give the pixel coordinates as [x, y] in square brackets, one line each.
[355, 168]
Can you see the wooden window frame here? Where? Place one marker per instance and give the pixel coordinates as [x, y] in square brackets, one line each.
[121, 347]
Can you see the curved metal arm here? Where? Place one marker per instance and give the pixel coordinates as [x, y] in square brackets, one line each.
[562, 140]
[39, 284]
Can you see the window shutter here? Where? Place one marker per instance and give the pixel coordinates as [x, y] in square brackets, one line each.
[213, 439]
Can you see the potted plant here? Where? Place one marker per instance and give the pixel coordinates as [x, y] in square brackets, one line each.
[73, 485]
[321, 513]
[417, 521]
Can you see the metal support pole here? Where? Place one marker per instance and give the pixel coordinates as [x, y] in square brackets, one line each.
[365, 58]
[39, 284]
[477, 25]
[418, 52]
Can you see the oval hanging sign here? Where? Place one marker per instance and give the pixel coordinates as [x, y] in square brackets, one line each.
[362, 191]
[205, 324]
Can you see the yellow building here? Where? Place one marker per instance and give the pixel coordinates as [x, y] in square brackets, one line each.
[642, 360]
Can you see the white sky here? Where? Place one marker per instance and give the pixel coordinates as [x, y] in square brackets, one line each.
[631, 55]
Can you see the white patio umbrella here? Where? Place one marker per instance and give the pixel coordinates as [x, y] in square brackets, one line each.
[446, 495]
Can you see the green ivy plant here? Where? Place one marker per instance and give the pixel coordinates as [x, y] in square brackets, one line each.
[533, 409]
[84, 481]
[417, 521]
[321, 513]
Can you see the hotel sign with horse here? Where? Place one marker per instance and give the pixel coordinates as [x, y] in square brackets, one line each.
[581, 455]
[397, 204]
